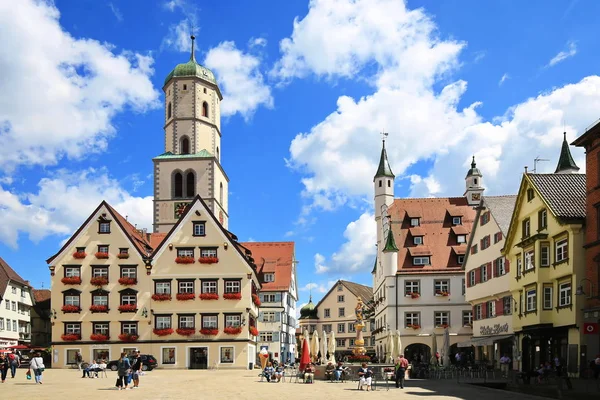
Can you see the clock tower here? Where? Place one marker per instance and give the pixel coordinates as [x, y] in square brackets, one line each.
[191, 162]
[474, 185]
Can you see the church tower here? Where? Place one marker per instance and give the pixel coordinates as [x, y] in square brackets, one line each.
[384, 197]
[191, 163]
[566, 164]
[474, 185]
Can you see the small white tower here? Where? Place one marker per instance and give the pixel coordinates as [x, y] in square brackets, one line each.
[384, 196]
[474, 185]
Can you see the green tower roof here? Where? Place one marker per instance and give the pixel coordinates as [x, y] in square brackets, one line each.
[565, 161]
[192, 69]
[474, 171]
[384, 166]
[390, 243]
[308, 311]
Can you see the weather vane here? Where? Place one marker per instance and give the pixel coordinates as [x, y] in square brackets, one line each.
[384, 134]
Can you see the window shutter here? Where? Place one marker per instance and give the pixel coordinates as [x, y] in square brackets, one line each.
[277, 317]
[500, 307]
[474, 313]
[490, 269]
[468, 279]
[261, 297]
[477, 275]
[483, 310]
[277, 297]
[276, 336]
[481, 220]
[261, 316]
[506, 265]
[481, 244]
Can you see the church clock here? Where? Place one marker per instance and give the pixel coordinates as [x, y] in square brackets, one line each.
[180, 209]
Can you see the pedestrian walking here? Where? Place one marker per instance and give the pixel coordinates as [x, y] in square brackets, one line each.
[4, 367]
[37, 365]
[401, 365]
[136, 369]
[15, 361]
[123, 371]
[78, 360]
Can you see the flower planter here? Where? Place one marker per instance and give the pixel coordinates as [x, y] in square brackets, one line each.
[413, 295]
[443, 326]
[253, 331]
[127, 337]
[364, 358]
[101, 256]
[128, 308]
[70, 337]
[233, 330]
[161, 297]
[79, 254]
[185, 260]
[442, 294]
[71, 280]
[232, 296]
[127, 281]
[96, 309]
[123, 255]
[256, 300]
[99, 338]
[415, 327]
[185, 331]
[208, 260]
[162, 332]
[209, 331]
[185, 296]
[209, 296]
[70, 309]
[99, 281]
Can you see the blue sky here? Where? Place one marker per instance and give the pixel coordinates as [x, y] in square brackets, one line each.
[307, 88]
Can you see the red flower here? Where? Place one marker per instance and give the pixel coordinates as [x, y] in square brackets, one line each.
[256, 300]
[162, 332]
[99, 281]
[185, 296]
[208, 260]
[185, 260]
[127, 281]
[79, 254]
[253, 331]
[123, 255]
[99, 338]
[71, 280]
[209, 331]
[185, 331]
[70, 309]
[233, 330]
[415, 295]
[209, 296]
[232, 296]
[161, 296]
[128, 337]
[361, 358]
[101, 255]
[128, 307]
[98, 308]
[70, 337]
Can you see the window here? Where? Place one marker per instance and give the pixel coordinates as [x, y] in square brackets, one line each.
[529, 259]
[341, 342]
[483, 273]
[442, 318]
[210, 322]
[418, 240]
[547, 297]
[526, 228]
[162, 287]
[102, 248]
[185, 252]
[71, 272]
[205, 109]
[415, 221]
[467, 318]
[266, 337]
[341, 312]
[327, 328]
[497, 237]
[71, 299]
[507, 305]
[478, 312]
[184, 87]
[491, 309]
[168, 355]
[351, 327]
[208, 252]
[185, 145]
[128, 297]
[327, 313]
[441, 286]
[268, 316]
[412, 319]
[420, 260]
[204, 90]
[340, 288]
[411, 287]
[186, 321]
[461, 239]
[190, 184]
[73, 328]
[474, 249]
[564, 294]
[129, 328]
[14, 290]
[472, 278]
[100, 328]
[234, 320]
[200, 228]
[341, 328]
[543, 219]
[351, 342]
[99, 272]
[519, 265]
[124, 251]
[268, 298]
[99, 298]
[169, 110]
[464, 288]
[485, 218]
[234, 287]
[227, 355]
[530, 194]
[460, 259]
[500, 266]
[562, 252]
[14, 325]
[104, 227]
[14, 306]
[485, 242]
[185, 286]
[220, 185]
[269, 277]
[1, 324]
[340, 298]
[531, 300]
[209, 286]
[129, 272]
[544, 254]
[456, 220]
[178, 185]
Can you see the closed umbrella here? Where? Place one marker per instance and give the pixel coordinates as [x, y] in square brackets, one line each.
[324, 352]
[305, 357]
[390, 345]
[314, 346]
[433, 349]
[331, 347]
[446, 348]
[307, 337]
[398, 346]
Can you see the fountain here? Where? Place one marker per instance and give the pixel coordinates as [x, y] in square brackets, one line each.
[359, 342]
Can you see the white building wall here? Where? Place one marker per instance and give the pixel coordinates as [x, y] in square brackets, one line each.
[19, 302]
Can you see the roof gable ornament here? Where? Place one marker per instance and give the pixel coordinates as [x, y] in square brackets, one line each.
[566, 164]
[384, 169]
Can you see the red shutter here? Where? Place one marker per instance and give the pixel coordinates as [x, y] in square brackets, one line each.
[483, 310]
[490, 269]
[500, 307]
[474, 313]
[468, 276]
[499, 236]
[481, 220]
[507, 265]
[477, 275]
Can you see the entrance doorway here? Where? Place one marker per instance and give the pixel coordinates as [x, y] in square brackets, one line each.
[199, 358]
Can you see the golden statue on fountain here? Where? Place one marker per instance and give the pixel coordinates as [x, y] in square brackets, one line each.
[359, 324]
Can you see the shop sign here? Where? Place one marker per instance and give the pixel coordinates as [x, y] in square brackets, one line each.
[486, 330]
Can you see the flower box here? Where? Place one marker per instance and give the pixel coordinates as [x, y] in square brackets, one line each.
[232, 296]
[208, 260]
[415, 327]
[99, 338]
[127, 281]
[253, 331]
[70, 309]
[123, 255]
[162, 332]
[101, 255]
[128, 308]
[442, 294]
[161, 296]
[185, 296]
[79, 254]
[444, 326]
[413, 295]
[128, 337]
[99, 281]
[256, 300]
[209, 296]
[209, 331]
[70, 337]
[185, 331]
[96, 309]
[185, 260]
[233, 330]
[359, 358]
[71, 280]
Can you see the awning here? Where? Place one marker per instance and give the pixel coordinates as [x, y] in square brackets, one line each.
[483, 341]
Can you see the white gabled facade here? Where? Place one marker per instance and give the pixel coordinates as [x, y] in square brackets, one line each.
[15, 308]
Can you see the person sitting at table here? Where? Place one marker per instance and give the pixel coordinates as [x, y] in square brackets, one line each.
[309, 373]
[339, 371]
[329, 371]
[279, 372]
[268, 371]
[93, 367]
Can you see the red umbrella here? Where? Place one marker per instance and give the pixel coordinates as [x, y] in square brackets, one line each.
[19, 347]
[305, 358]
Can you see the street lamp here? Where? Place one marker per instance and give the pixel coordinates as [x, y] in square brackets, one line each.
[581, 292]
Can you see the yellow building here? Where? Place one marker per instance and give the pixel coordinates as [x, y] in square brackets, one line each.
[545, 248]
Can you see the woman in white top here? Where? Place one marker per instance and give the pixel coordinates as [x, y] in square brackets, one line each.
[37, 365]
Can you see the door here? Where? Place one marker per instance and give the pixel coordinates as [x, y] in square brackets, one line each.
[199, 358]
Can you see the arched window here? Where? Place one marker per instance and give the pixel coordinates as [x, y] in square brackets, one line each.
[389, 183]
[218, 155]
[169, 110]
[178, 184]
[185, 145]
[205, 109]
[380, 182]
[190, 184]
[221, 194]
[475, 181]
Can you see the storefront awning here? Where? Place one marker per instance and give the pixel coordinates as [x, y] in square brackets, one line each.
[483, 341]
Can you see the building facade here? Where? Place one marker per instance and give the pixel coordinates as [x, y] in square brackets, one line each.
[488, 279]
[588, 287]
[15, 308]
[544, 246]
[418, 277]
[276, 263]
[41, 319]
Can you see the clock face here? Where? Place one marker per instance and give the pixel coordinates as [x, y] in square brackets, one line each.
[476, 196]
[180, 209]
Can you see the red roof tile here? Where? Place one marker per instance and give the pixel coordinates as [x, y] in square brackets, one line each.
[460, 250]
[436, 222]
[277, 257]
[417, 231]
[41, 295]
[418, 251]
[140, 239]
[8, 274]
[460, 230]
[156, 239]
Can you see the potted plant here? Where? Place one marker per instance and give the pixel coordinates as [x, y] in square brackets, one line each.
[256, 300]
[79, 254]
[442, 293]
[71, 280]
[208, 260]
[99, 338]
[233, 330]
[209, 296]
[70, 337]
[161, 296]
[413, 295]
[185, 260]
[162, 332]
[99, 281]
[101, 255]
[126, 281]
[185, 296]
[185, 331]
[98, 308]
[128, 337]
[209, 331]
[128, 308]
[70, 309]
[232, 296]
[253, 331]
[415, 327]
[123, 255]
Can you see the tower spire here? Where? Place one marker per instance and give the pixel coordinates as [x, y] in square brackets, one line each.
[566, 164]
[473, 165]
[384, 168]
[193, 55]
[390, 243]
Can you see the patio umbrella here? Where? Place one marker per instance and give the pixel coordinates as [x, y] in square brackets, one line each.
[446, 348]
[324, 351]
[314, 346]
[434, 350]
[307, 337]
[390, 345]
[398, 346]
[305, 358]
[19, 347]
[331, 347]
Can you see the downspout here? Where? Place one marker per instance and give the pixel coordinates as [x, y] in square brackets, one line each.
[396, 316]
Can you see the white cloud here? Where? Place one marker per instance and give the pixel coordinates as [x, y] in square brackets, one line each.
[251, 239]
[257, 42]
[319, 267]
[179, 36]
[63, 202]
[504, 78]
[563, 55]
[64, 91]
[314, 288]
[240, 79]
[116, 12]
[289, 234]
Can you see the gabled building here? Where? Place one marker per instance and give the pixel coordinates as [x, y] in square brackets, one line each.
[544, 246]
[276, 266]
[15, 307]
[488, 279]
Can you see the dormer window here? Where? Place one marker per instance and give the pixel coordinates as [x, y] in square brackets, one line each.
[460, 239]
[456, 220]
[418, 240]
[460, 259]
[269, 277]
[104, 227]
[415, 222]
[421, 261]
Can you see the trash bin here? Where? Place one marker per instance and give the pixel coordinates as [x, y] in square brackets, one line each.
[250, 365]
